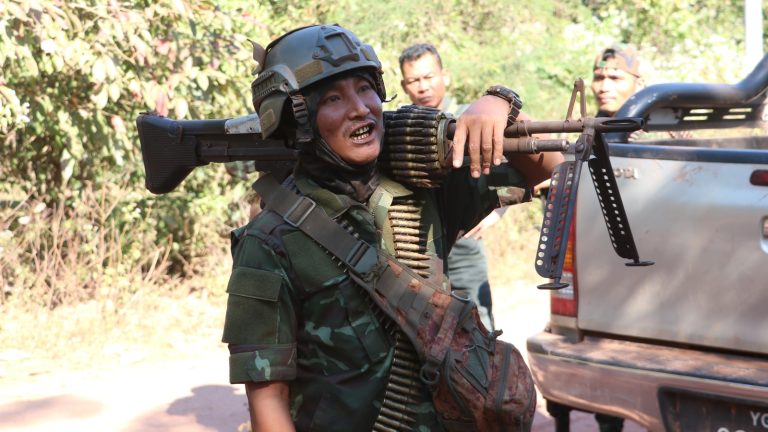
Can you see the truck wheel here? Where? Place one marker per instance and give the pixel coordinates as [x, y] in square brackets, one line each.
[561, 414]
[609, 423]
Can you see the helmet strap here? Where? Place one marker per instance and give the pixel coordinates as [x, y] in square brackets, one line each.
[379, 84]
[304, 132]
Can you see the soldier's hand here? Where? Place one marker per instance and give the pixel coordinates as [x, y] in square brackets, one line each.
[481, 129]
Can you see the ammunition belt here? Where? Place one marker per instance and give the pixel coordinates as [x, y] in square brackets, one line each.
[404, 389]
[414, 150]
[410, 238]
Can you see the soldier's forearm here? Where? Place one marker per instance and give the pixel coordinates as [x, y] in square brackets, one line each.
[536, 167]
[268, 405]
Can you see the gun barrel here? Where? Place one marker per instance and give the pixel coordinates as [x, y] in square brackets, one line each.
[600, 124]
[518, 136]
[533, 145]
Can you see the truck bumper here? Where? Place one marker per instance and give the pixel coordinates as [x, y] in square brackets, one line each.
[627, 378]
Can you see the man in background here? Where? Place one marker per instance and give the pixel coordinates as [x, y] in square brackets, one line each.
[424, 79]
[425, 82]
[615, 78]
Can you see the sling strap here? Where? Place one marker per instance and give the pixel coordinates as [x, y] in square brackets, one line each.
[304, 214]
[406, 297]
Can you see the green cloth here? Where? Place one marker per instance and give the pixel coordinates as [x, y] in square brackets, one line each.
[294, 315]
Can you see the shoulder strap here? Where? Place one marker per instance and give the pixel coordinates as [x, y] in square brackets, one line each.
[304, 214]
[424, 312]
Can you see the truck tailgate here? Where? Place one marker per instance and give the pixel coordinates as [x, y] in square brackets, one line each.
[696, 215]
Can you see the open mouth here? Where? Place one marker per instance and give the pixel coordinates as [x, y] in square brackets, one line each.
[361, 133]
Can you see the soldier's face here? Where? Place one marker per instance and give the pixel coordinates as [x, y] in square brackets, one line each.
[612, 87]
[424, 81]
[350, 120]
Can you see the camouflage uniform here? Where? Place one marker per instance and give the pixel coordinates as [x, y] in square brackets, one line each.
[294, 315]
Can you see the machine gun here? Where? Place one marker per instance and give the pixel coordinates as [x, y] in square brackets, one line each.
[416, 151]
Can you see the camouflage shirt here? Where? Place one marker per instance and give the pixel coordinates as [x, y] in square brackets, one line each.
[294, 315]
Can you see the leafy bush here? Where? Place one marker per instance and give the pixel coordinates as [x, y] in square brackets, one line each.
[76, 75]
[83, 72]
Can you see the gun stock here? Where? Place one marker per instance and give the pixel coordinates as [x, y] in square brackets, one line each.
[171, 149]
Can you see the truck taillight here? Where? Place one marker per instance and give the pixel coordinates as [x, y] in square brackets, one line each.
[759, 178]
[565, 301]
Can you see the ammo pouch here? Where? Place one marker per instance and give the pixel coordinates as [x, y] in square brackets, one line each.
[477, 382]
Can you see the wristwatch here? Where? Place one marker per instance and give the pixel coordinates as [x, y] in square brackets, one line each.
[509, 95]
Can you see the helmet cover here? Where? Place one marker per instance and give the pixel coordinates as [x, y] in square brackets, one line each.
[301, 58]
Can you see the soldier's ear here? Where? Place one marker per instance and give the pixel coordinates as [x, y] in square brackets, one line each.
[402, 84]
[446, 78]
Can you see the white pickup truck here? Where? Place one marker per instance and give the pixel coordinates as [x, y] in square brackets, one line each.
[681, 345]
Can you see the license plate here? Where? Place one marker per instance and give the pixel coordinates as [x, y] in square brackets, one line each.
[685, 411]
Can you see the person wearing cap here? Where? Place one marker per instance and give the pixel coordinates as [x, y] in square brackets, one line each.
[314, 351]
[615, 78]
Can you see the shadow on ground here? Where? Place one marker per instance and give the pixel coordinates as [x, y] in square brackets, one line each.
[210, 408]
[47, 409]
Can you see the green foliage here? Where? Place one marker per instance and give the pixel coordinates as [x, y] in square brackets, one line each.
[78, 74]
[82, 72]
[539, 48]
[663, 23]
[683, 40]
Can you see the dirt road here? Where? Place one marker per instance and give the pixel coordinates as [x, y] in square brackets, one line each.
[190, 392]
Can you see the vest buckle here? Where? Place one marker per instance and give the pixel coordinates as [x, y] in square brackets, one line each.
[299, 211]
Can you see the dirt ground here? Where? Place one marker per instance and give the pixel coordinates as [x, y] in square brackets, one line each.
[187, 389]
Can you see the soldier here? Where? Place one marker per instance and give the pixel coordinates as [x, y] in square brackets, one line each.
[615, 78]
[312, 349]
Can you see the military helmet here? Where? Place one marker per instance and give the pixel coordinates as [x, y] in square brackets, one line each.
[301, 58]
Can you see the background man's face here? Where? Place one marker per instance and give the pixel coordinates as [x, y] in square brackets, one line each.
[424, 81]
[612, 87]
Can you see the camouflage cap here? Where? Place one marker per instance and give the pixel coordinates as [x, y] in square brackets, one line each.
[620, 57]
